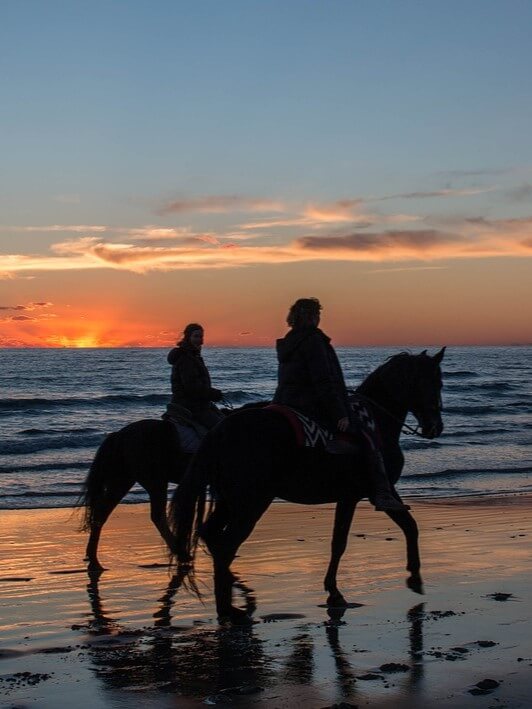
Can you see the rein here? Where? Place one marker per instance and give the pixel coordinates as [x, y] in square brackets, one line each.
[405, 428]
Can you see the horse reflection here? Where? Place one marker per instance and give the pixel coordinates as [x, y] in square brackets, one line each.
[100, 623]
[345, 674]
[193, 661]
[299, 667]
[202, 660]
[415, 617]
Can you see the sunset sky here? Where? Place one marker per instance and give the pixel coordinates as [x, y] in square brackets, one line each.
[165, 162]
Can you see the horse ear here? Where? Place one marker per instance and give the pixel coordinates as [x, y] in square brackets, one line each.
[423, 353]
[439, 355]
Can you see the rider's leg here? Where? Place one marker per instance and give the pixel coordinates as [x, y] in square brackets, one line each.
[209, 417]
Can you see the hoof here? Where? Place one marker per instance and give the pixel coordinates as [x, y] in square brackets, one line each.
[415, 583]
[185, 566]
[184, 557]
[94, 568]
[236, 616]
[336, 600]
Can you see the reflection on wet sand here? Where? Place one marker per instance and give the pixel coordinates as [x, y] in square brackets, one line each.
[223, 661]
[101, 623]
[345, 675]
[415, 617]
[190, 661]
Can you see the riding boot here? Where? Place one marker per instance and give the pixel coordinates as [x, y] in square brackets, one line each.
[384, 497]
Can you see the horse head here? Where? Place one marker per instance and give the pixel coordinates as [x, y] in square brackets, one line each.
[424, 392]
[407, 382]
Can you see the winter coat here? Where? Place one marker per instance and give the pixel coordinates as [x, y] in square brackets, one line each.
[310, 377]
[191, 383]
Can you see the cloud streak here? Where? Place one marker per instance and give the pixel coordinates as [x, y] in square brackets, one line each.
[417, 243]
[216, 204]
[431, 194]
[475, 237]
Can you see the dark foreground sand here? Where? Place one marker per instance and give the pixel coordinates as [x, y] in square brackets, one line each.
[131, 639]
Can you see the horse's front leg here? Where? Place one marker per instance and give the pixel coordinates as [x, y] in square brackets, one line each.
[408, 524]
[343, 516]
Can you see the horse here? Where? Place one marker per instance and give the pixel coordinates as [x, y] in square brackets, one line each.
[251, 458]
[147, 452]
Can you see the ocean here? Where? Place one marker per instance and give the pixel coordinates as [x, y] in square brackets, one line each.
[57, 405]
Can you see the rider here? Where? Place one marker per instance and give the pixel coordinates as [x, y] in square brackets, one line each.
[310, 380]
[191, 382]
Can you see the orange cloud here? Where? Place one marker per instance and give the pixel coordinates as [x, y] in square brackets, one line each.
[475, 236]
[76, 228]
[319, 215]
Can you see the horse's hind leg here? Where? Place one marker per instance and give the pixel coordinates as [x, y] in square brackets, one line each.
[213, 525]
[158, 498]
[223, 549]
[408, 525]
[99, 516]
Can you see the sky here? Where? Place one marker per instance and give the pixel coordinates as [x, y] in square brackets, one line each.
[165, 162]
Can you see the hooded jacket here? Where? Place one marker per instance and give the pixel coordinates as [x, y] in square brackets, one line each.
[310, 377]
[191, 383]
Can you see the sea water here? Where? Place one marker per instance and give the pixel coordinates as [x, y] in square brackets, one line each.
[57, 405]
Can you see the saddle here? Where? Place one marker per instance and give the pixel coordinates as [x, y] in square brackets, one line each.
[310, 434]
[189, 431]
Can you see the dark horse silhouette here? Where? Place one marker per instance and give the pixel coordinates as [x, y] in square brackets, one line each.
[145, 452]
[251, 458]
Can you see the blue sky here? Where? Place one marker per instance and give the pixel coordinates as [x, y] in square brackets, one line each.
[262, 121]
[327, 98]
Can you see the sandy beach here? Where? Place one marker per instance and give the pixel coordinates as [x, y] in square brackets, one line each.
[133, 638]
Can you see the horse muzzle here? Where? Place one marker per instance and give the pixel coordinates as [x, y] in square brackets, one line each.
[431, 429]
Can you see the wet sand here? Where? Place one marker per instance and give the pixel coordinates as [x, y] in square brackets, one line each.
[133, 638]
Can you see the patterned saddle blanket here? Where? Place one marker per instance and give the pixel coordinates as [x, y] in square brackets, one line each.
[310, 434]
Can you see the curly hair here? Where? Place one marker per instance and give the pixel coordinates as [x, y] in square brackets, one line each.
[303, 312]
[187, 332]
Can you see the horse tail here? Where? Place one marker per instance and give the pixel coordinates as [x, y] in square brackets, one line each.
[94, 487]
[187, 509]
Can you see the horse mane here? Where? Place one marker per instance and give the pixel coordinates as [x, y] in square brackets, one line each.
[375, 378]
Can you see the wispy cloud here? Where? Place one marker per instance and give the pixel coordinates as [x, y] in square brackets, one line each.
[28, 306]
[317, 215]
[157, 233]
[216, 204]
[520, 193]
[76, 228]
[414, 242]
[431, 194]
[337, 230]
[479, 172]
[408, 268]
[36, 309]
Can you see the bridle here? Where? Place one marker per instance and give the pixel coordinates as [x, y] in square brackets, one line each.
[405, 428]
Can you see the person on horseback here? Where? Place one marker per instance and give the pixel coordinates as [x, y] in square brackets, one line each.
[193, 395]
[311, 381]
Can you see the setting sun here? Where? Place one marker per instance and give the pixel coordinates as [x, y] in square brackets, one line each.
[78, 342]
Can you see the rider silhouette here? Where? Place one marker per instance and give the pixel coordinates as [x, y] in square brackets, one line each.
[191, 383]
[311, 381]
